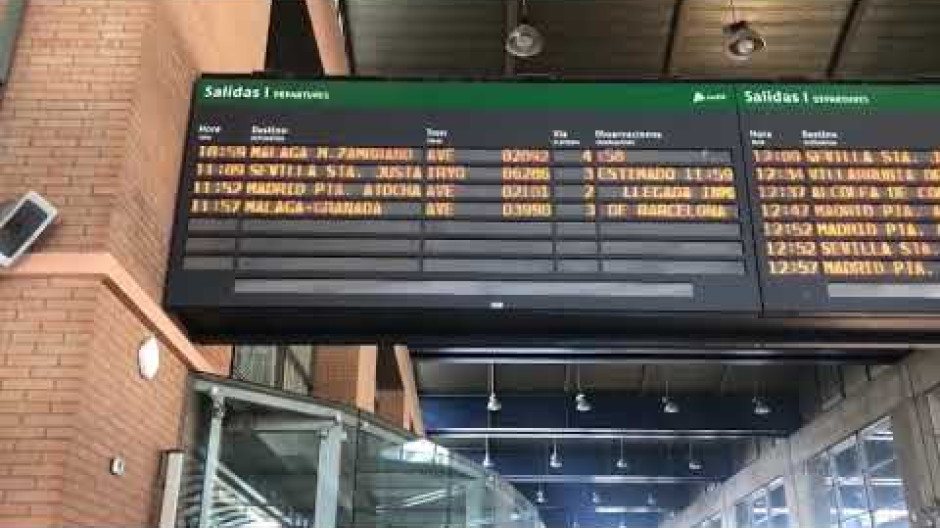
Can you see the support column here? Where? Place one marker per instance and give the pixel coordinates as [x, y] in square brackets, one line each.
[328, 472]
[365, 377]
[916, 455]
[329, 35]
[212, 460]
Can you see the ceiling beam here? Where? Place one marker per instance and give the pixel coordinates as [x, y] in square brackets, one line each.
[609, 479]
[331, 39]
[846, 33]
[806, 355]
[512, 20]
[674, 24]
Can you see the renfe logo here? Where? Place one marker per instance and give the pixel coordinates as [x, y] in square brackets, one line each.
[700, 97]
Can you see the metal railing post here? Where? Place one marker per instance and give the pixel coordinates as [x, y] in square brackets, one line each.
[212, 458]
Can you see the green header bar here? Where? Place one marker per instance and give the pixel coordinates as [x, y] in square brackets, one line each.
[850, 98]
[463, 95]
[797, 98]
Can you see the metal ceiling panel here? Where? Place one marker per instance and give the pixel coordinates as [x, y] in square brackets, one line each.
[608, 377]
[598, 38]
[893, 39]
[438, 377]
[531, 378]
[426, 37]
[801, 36]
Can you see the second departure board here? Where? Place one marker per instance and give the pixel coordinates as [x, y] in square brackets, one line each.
[484, 196]
[846, 196]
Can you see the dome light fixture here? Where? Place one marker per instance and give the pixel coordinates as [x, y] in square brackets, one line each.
[742, 41]
[493, 404]
[524, 41]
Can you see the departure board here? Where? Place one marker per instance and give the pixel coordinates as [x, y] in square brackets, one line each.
[452, 206]
[846, 195]
[516, 198]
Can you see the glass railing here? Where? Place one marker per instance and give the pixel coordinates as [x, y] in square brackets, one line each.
[259, 458]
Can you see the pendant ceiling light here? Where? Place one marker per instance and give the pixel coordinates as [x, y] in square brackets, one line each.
[493, 404]
[741, 40]
[487, 461]
[554, 460]
[694, 463]
[669, 405]
[621, 461]
[761, 408]
[524, 40]
[581, 403]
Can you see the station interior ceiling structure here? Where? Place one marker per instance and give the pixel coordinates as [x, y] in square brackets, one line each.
[632, 39]
[624, 459]
[627, 461]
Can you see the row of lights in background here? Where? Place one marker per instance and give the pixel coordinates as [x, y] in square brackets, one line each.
[582, 404]
[741, 41]
[555, 461]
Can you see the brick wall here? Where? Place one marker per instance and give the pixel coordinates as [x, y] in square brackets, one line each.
[93, 118]
[120, 414]
[182, 39]
[335, 372]
[45, 328]
[94, 114]
[390, 405]
[64, 111]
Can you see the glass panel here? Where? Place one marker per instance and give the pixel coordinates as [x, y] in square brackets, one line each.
[853, 500]
[267, 471]
[742, 511]
[779, 514]
[860, 521]
[759, 509]
[298, 361]
[878, 442]
[892, 517]
[887, 489]
[825, 513]
[256, 363]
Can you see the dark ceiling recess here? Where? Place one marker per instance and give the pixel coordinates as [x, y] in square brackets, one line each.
[292, 46]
